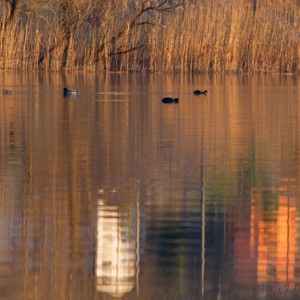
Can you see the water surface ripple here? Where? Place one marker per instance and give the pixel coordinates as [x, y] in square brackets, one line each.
[112, 194]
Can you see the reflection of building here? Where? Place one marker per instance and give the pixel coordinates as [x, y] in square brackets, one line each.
[116, 253]
[286, 233]
[5, 238]
[272, 238]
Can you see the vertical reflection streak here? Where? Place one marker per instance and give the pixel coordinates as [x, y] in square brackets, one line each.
[202, 195]
[137, 266]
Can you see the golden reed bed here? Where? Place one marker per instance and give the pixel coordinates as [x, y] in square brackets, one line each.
[167, 36]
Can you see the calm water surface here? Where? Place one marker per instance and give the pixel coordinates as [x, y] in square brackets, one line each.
[113, 195]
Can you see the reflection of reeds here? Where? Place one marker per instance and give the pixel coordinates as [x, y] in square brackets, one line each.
[211, 35]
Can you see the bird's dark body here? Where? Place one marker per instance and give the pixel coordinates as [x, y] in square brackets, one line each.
[170, 100]
[198, 92]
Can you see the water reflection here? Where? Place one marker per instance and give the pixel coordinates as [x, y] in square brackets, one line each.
[116, 251]
[112, 194]
[273, 233]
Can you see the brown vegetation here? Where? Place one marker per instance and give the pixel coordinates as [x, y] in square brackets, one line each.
[155, 35]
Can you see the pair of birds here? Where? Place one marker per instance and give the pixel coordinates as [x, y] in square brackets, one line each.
[66, 92]
[175, 100]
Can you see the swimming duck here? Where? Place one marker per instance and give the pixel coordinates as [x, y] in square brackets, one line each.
[70, 92]
[198, 92]
[169, 100]
[7, 91]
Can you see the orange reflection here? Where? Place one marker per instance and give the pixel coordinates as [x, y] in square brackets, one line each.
[273, 233]
[286, 222]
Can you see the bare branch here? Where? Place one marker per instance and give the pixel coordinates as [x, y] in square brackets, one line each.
[160, 8]
[150, 23]
[127, 50]
[146, 6]
[161, 4]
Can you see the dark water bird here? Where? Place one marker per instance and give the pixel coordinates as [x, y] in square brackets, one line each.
[169, 100]
[198, 92]
[69, 92]
[7, 91]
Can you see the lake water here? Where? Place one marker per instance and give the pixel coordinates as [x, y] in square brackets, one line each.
[112, 194]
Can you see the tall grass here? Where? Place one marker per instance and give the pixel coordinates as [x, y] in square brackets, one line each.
[200, 36]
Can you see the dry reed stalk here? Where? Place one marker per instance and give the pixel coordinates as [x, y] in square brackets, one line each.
[214, 35]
